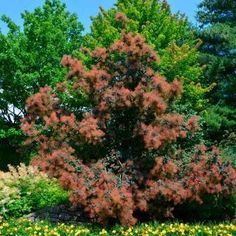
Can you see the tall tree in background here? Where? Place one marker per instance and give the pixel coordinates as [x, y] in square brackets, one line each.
[30, 58]
[169, 34]
[217, 20]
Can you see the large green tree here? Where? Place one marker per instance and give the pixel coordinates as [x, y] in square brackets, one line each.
[169, 34]
[30, 58]
[217, 31]
[218, 34]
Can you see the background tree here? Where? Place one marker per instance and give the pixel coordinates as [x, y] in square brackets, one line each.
[169, 34]
[29, 59]
[218, 54]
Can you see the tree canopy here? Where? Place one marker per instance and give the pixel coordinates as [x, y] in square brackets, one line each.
[218, 56]
[218, 35]
[169, 34]
[30, 57]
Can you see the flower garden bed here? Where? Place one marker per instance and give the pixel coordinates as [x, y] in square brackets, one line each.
[24, 227]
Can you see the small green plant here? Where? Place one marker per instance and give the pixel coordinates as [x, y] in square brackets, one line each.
[25, 189]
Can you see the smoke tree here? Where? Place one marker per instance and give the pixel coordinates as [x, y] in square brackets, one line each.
[115, 154]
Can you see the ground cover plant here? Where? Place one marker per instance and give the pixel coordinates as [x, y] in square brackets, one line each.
[26, 227]
[120, 154]
[26, 189]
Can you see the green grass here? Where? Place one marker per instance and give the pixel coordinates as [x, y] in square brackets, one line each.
[23, 227]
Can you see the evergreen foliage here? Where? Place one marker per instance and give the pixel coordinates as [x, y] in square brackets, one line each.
[218, 55]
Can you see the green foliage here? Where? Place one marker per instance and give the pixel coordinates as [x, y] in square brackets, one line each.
[30, 58]
[228, 147]
[219, 127]
[214, 207]
[219, 119]
[9, 154]
[170, 35]
[25, 189]
[218, 34]
[218, 56]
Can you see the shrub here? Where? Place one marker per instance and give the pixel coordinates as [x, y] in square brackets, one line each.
[116, 154]
[25, 189]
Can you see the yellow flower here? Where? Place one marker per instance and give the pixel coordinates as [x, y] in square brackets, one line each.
[77, 232]
[103, 232]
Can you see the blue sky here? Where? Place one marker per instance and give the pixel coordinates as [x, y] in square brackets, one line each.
[84, 9]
